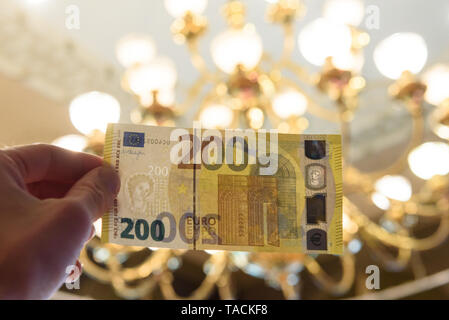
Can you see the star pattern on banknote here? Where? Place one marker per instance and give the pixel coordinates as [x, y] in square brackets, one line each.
[182, 189]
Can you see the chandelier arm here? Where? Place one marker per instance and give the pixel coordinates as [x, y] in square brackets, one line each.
[313, 107]
[395, 264]
[288, 44]
[143, 270]
[113, 276]
[119, 283]
[289, 291]
[407, 289]
[197, 60]
[156, 261]
[115, 248]
[354, 181]
[209, 97]
[224, 286]
[212, 96]
[416, 138]
[317, 110]
[339, 287]
[397, 240]
[299, 72]
[192, 94]
[428, 211]
[272, 117]
[418, 268]
[219, 263]
[93, 270]
[168, 291]
[267, 58]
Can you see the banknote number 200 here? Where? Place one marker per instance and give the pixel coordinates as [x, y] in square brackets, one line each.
[142, 230]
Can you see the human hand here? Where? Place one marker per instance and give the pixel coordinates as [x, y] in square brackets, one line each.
[49, 199]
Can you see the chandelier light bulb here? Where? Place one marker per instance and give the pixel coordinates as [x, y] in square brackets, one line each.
[289, 103]
[349, 61]
[429, 159]
[135, 49]
[237, 46]
[164, 97]
[437, 81]
[323, 38]
[256, 118]
[157, 75]
[400, 52]
[178, 8]
[380, 201]
[438, 122]
[73, 142]
[93, 111]
[394, 187]
[216, 116]
[350, 12]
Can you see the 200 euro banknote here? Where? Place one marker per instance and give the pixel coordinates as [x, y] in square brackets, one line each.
[242, 190]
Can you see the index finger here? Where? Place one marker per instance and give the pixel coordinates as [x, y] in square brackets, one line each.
[43, 162]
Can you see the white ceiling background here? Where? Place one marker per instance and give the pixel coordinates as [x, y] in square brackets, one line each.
[103, 22]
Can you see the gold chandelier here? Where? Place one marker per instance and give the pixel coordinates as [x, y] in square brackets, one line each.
[249, 88]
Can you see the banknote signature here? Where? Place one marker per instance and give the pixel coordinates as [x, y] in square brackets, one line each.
[135, 153]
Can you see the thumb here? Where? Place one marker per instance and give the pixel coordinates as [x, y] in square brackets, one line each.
[96, 190]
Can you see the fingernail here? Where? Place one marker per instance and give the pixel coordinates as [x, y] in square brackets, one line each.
[111, 178]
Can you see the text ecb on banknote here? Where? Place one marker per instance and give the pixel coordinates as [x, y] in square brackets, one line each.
[240, 190]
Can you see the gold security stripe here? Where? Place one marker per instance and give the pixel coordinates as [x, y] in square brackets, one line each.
[107, 156]
[337, 168]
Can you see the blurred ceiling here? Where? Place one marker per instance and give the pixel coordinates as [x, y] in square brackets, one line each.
[17, 105]
[103, 22]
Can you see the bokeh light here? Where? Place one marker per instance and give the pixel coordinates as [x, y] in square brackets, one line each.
[394, 187]
[237, 47]
[93, 111]
[437, 81]
[158, 75]
[73, 142]
[216, 116]
[323, 38]
[135, 49]
[349, 12]
[400, 52]
[429, 159]
[289, 102]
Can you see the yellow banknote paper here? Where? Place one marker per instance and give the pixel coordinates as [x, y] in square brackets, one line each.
[243, 190]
